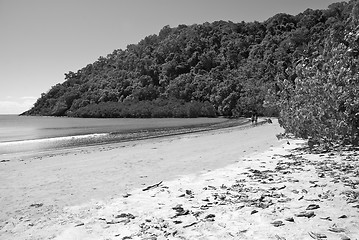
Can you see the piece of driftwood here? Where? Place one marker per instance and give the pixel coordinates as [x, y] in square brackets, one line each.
[152, 186]
[190, 225]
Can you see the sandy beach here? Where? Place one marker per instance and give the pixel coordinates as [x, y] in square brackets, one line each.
[234, 183]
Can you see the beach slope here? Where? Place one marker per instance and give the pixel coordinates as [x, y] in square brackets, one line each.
[236, 183]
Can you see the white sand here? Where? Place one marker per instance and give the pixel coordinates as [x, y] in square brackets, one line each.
[217, 185]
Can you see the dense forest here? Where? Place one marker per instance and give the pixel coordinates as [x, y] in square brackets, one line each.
[302, 68]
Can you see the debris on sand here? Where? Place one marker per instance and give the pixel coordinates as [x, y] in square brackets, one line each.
[287, 193]
[152, 186]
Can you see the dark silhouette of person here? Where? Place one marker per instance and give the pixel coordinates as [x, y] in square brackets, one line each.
[254, 117]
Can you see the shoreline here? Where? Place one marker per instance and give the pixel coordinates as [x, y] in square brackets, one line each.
[66, 143]
[65, 178]
[235, 183]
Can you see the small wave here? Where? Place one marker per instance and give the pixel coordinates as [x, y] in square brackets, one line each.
[55, 139]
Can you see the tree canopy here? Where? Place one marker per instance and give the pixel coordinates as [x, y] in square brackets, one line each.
[302, 67]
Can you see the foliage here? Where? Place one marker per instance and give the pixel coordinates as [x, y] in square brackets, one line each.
[237, 68]
[159, 108]
[323, 101]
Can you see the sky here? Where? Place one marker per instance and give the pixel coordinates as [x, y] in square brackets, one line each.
[41, 40]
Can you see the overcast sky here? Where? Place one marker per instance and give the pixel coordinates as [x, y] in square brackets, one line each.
[40, 40]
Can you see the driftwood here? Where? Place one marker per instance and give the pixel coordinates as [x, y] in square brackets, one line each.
[152, 186]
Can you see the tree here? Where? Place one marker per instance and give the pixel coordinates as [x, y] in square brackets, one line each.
[323, 103]
[233, 66]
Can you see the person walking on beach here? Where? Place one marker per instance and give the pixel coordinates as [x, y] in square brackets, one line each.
[254, 118]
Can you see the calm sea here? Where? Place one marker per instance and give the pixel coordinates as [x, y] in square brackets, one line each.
[30, 134]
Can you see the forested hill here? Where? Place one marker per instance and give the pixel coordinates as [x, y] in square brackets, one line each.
[219, 68]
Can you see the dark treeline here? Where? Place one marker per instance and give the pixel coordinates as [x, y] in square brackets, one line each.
[158, 108]
[230, 69]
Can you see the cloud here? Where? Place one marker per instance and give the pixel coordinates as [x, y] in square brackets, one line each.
[29, 101]
[16, 106]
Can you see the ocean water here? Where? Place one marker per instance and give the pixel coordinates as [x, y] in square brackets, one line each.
[33, 134]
